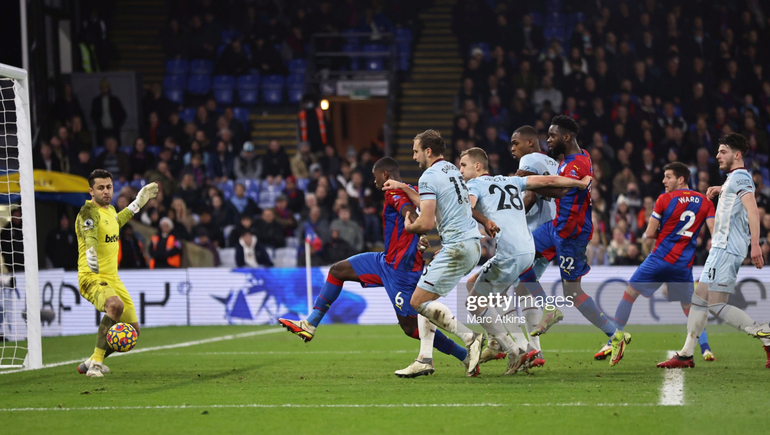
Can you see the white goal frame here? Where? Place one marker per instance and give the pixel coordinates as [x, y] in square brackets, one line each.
[34, 358]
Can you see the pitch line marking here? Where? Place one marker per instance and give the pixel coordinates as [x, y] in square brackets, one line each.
[672, 390]
[164, 347]
[320, 405]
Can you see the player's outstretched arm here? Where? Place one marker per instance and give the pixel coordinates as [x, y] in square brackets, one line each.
[425, 221]
[750, 203]
[147, 193]
[540, 181]
[410, 193]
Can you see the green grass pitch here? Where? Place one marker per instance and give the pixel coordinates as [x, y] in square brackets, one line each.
[240, 385]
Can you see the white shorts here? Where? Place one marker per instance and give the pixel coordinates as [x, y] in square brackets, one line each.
[721, 271]
[452, 263]
[503, 272]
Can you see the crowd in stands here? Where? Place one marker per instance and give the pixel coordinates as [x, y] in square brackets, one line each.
[648, 81]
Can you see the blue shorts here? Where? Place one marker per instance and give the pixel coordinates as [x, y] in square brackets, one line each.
[653, 272]
[374, 271]
[569, 253]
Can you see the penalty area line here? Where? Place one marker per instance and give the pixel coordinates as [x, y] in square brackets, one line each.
[291, 405]
[155, 348]
[672, 390]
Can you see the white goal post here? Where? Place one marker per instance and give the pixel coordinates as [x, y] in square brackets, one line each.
[20, 277]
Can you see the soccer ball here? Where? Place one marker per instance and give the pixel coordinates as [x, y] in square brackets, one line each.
[121, 337]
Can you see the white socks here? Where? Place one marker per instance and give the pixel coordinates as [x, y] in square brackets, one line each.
[532, 315]
[440, 315]
[427, 332]
[732, 315]
[696, 322]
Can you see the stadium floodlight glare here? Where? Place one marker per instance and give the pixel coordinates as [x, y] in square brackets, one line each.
[20, 345]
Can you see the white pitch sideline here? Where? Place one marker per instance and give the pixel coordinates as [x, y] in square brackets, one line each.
[320, 405]
[672, 390]
[154, 348]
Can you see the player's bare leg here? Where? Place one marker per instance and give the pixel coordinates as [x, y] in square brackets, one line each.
[339, 273]
[425, 303]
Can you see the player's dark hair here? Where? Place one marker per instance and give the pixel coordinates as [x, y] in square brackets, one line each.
[566, 123]
[98, 173]
[387, 164]
[526, 130]
[477, 155]
[431, 139]
[679, 169]
[736, 142]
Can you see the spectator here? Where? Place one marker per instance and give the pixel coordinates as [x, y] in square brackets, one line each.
[223, 213]
[762, 191]
[61, 245]
[275, 162]
[330, 162]
[348, 230]
[249, 253]
[62, 154]
[270, 188]
[155, 132]
[337, 249]
[632, 257]
[294, 196]
[203, 240]
[621, 180]
[467, 92]
[247, 164]
[131, 250]
[81, 137]
[269, 231]
[245, 224]
[234, 60]
[320, 227]
[165, 250]
[173, 40]
[183, 218]
[196, 168]
[547, 93]
[66, 106]
[84, 166]
[596, 252]
[242, 203]
[759, 144]
[45, 159]
[302, 161]
[114, 160]
[618, 247]
[108, 114]
[141, 160]
[528, 41]
[266, 59]
[221, 164]
[206, 226]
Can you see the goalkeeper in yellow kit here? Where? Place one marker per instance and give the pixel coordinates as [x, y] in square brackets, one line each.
[97, 228]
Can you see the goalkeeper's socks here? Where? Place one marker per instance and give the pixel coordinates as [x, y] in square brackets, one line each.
[703, 342]
[98, 356]
[329, 293]
[588, 308]
[624, 311]
[101, 338]
[444, 344]
[529, 278]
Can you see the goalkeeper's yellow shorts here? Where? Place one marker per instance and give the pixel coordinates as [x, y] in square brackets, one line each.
[97, 289]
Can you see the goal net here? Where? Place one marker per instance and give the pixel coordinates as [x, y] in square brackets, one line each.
[20, 344]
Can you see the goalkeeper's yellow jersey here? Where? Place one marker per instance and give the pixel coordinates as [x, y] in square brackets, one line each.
[98, 227]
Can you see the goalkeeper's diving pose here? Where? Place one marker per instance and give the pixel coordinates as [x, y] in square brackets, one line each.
[97, 228]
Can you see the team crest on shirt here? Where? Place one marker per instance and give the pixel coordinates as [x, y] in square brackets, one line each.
[396, 197]
[88, 224]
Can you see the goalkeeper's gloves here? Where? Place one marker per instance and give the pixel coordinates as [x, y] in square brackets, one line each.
[147, 193]
[93, 263]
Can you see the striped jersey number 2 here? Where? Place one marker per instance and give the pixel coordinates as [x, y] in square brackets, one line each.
[690, 217]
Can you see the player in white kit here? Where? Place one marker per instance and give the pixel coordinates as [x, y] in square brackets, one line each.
[443, 200]
[500, 199]
[541, 208]
[736, 229]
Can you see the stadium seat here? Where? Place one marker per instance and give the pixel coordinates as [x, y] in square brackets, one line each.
[127, 150]
[177, 67]
[272, 89]
[242, 115]
[553, 5]
[351, 39]
[537, 18]
[555, 19]
[285, 257]
[138, 184]
[203, 67]
[188, 114]
[116, 186]
[297, 66]
[248, 97]
[249, 81]
[227, 257]
[295, 85]
[223, 82]
[155, 150]
[374, 63]
[224, 96]
[229, 35]
[403, 36]
[551, 33]
[199, 85]
[97, 151]
[355, 64]
[174, 82]
[176, 96]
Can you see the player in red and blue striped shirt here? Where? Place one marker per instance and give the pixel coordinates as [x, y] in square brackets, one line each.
[398, 268]
[679, 214]
[567, 236]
